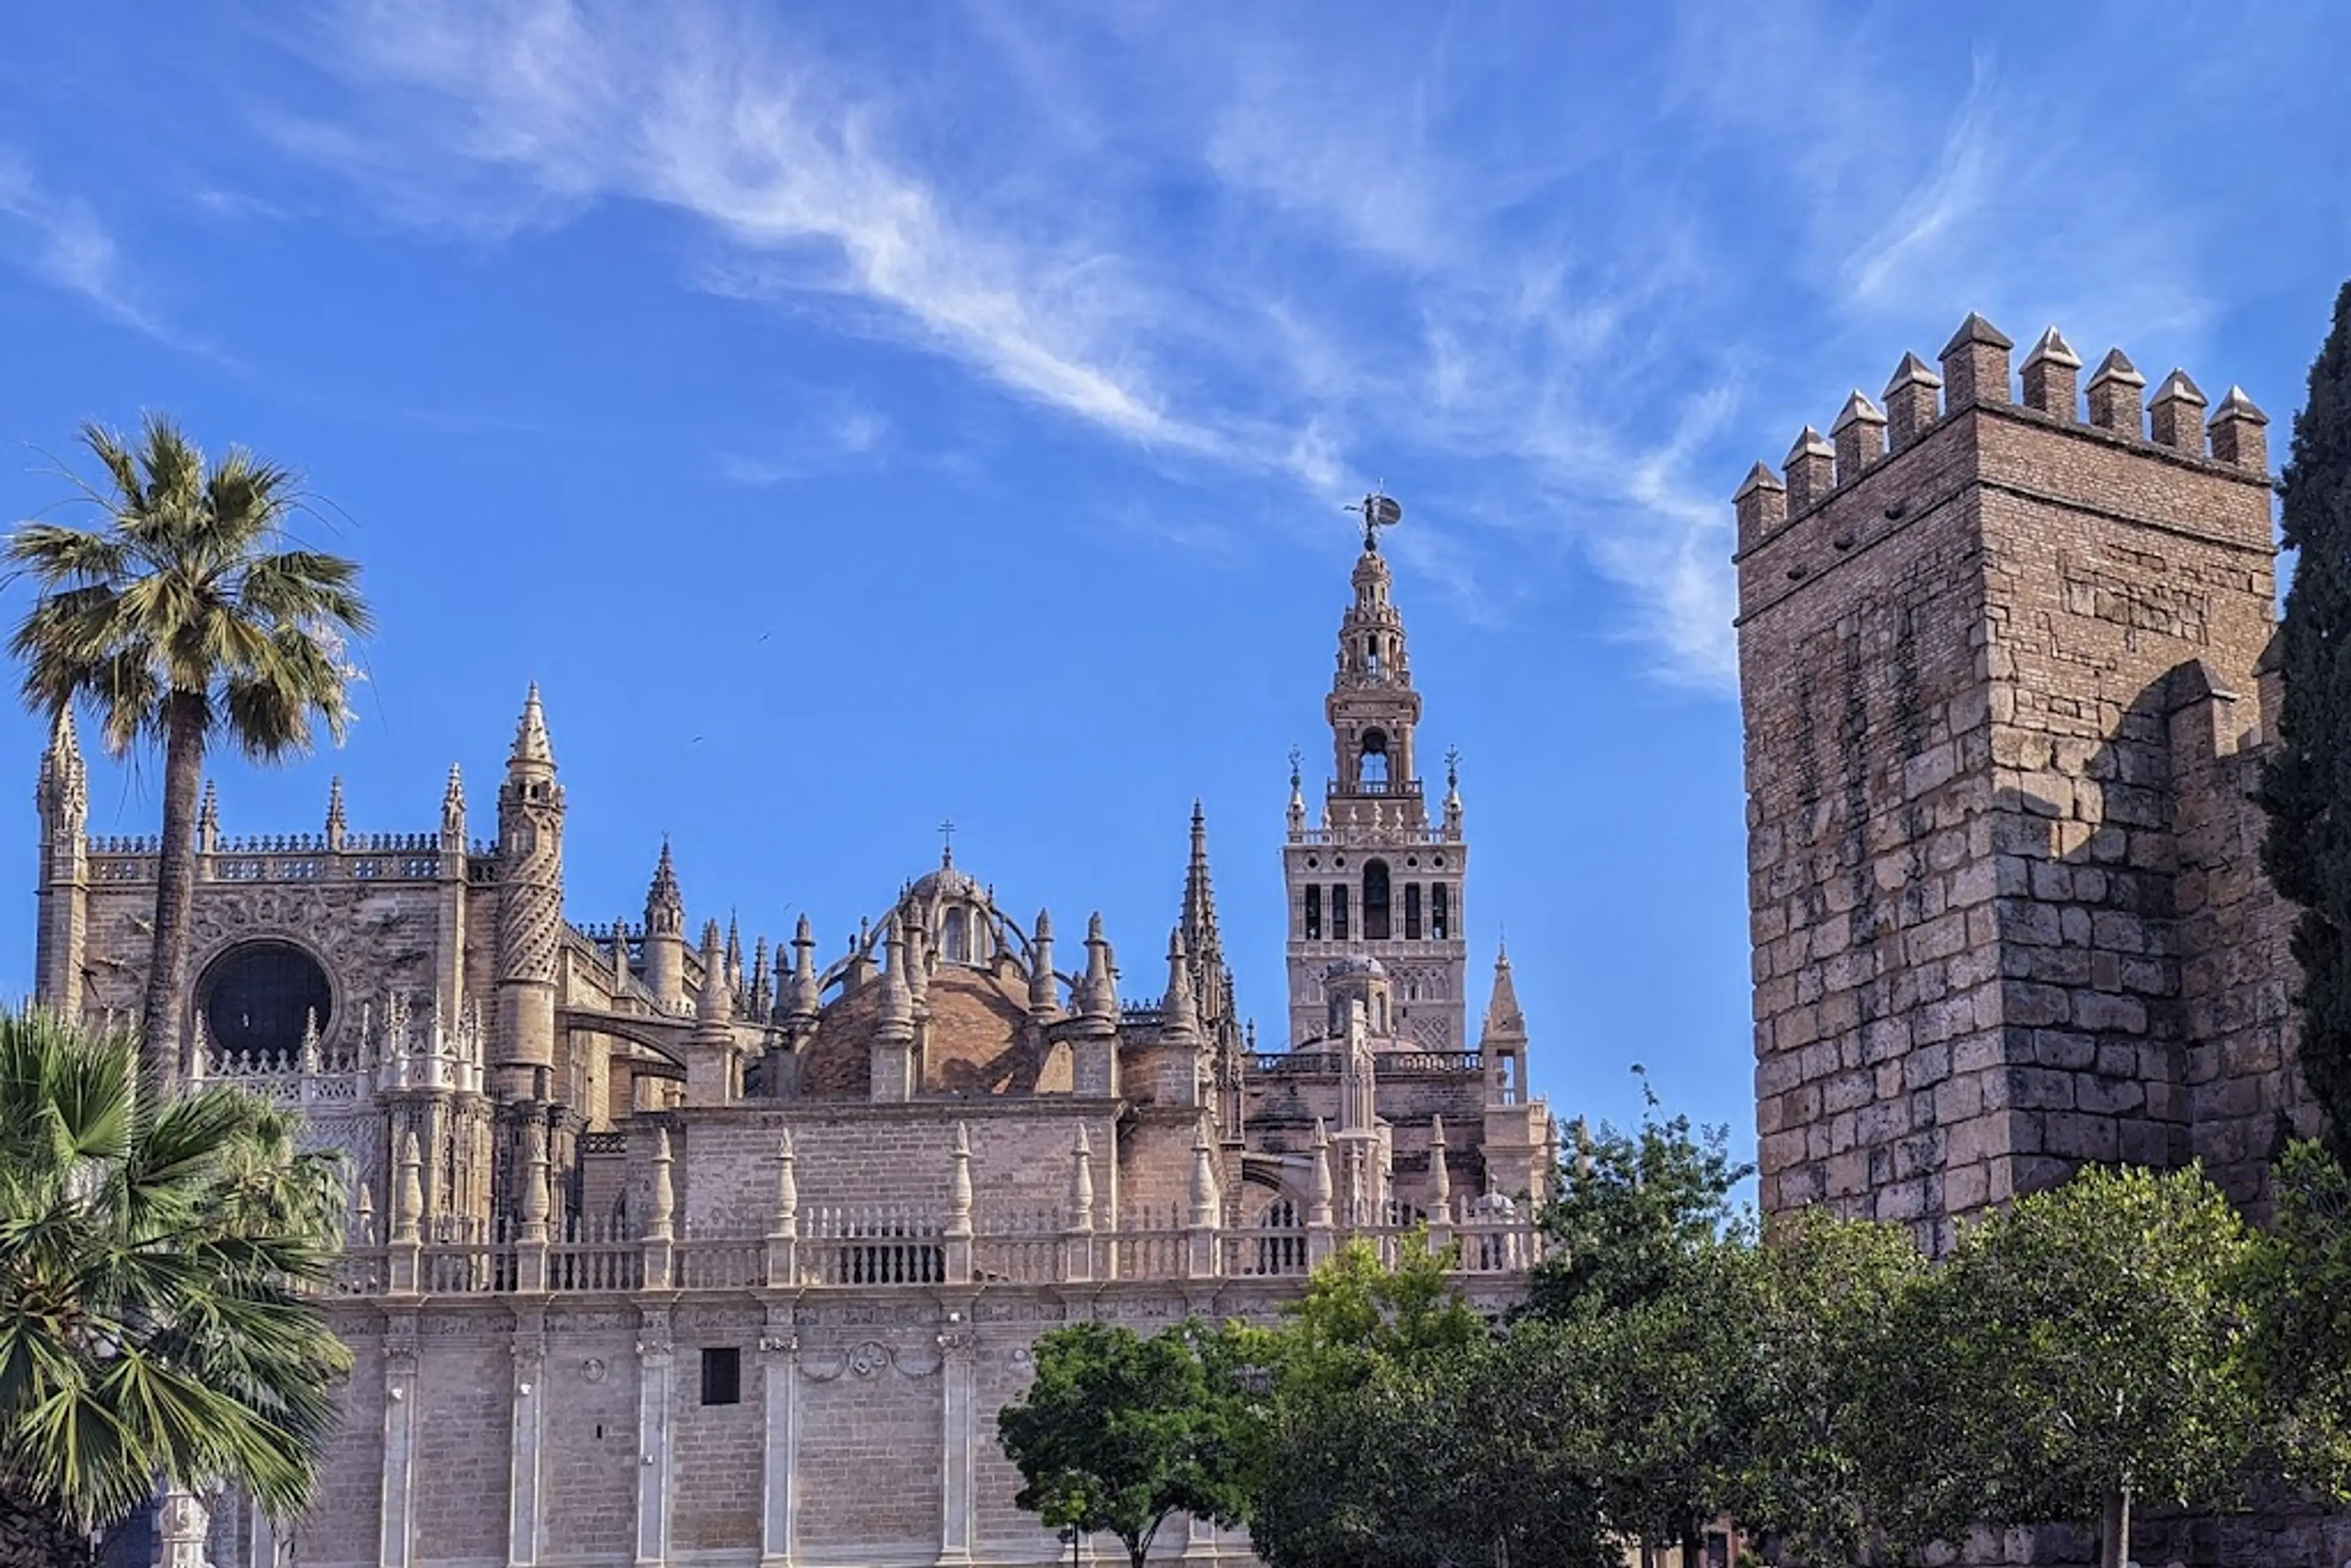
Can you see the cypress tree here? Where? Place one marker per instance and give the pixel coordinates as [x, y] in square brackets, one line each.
[2306, 786]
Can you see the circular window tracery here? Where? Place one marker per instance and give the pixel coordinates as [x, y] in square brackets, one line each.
[258, 997]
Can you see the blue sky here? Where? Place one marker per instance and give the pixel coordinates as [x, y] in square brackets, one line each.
[855, 417]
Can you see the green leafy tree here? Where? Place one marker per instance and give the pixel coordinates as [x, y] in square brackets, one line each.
[2300, 1286]
[1645, 1277]
[1397, 1428]
[1633, 1214]
[157, 1263]
[1840, 1432]
[2090, 1349]
[1119, 1431]
[2307, 852]
[188, 618]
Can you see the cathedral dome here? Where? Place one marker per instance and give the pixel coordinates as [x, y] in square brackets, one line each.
[945, 882]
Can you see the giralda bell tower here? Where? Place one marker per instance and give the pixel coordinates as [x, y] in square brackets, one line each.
[1375, 878]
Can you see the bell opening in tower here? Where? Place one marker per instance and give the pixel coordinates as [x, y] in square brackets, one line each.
[1376, 901]
[1371, 766]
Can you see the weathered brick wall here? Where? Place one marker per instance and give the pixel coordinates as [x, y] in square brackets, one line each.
[590, 1471]
[1871, 850]
[871, 1468]
[1960, 666]
[465, 1415]
[862, 1157]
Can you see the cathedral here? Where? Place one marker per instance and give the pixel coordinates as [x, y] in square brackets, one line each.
[662, 1251]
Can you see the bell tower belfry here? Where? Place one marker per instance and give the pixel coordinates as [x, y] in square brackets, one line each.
[1375, 876]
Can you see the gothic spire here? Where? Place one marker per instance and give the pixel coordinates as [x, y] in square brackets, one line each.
[65, 777]
[715, 1003]
[664, 905]
[805, 1000]
[335, 824]
[1504, 1020]
[1179, 1018]
[532, 745]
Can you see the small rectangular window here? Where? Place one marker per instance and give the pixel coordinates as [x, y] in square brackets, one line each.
[1412, 912]
[1339, 912]
[1315, 915]
[722, 1376]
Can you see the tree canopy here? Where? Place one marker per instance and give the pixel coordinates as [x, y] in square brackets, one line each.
[157, 1260]
[1118, 1431]
[188, 617]
[2307, 778]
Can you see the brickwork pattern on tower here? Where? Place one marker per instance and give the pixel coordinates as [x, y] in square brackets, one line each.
[1999, 682]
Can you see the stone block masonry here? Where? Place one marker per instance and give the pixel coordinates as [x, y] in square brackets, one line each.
[2002, 700]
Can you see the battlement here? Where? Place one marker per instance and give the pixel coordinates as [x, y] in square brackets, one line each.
[1919, 403]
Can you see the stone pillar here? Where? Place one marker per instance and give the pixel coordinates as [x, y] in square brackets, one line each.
[407, 1208]
[1204, 1233]
[1320, 1221]
[1078, 1239]
[779, 1385]
[523, 1501]
[958, 1496]
[784, 1233]
[659, 1232]
[398, 1510]
[654, 1362]
[957, 1234]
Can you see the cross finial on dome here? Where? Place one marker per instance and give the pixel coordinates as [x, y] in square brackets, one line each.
[946, 843]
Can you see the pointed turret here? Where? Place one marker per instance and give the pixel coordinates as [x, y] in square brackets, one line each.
[763, 985]
[1452, 793]
[1044, 992]
[891, 1054]
[1098, 996]
[1094, 1068]
[529, 905]
[61, 937]
[1503, 1040]
[665, 934]
[804, 1001]
[1179, 1019]
[531, 747]
[208, 820]
[1297, 798]
[716, 1001]
[335, 824]
[734, 954]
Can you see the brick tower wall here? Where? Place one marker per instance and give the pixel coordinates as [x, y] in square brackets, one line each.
[1997, 684]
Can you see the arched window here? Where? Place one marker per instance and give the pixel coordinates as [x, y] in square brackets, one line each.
[1314, 914]
[1372, 765]
[1338, 912]
[259, 996]
[1440, 912]
[1376, 901]
[955, 939]
[1412, 912]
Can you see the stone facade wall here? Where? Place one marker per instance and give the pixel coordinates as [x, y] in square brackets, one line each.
[863, 1406]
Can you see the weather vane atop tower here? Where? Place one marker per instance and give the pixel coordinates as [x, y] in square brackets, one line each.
[1378, 511]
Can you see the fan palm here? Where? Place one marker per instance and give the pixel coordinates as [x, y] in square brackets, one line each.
[188, 617]
[158, 1260]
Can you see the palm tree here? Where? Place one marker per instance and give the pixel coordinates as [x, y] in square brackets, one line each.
[189, 617]
[159, 1257]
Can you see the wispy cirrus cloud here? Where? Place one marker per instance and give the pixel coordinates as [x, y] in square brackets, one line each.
[1312, 265]
[68, 247]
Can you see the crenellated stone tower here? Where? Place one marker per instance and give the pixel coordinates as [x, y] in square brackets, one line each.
[2001, 669]
[1377, 878]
